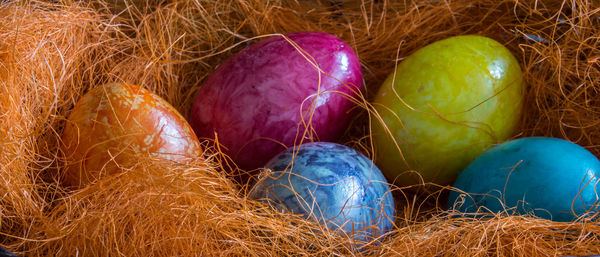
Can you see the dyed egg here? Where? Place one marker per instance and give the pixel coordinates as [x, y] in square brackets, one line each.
[271, 96]
[332, 184]
[447, 103]
[6, 253]
[548, 177]
[112, 123]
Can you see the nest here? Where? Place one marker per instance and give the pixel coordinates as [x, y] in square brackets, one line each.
[51, 54]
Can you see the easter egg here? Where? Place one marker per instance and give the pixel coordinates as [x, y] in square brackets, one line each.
[547, 177]
[271, 95]
[443, 106]
[110, 124]
[6, 253]
[332, 184]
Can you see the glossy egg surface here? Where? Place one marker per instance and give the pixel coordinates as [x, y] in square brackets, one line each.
[110, 124]
[547, 177]
[271, 96]
[333, 184]
[443, 106]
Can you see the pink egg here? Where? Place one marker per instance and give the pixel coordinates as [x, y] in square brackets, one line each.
[271, 95]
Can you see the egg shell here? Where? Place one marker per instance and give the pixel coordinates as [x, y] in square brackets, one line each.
[6, 253]
[110, 124]
[444, 105]
[548, 177]
[263, 99]
[330, 183]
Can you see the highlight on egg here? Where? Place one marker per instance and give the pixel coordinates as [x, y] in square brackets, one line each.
[443, 106]
[546, 177]
[332, 184]
[112, 124]
[272, 95]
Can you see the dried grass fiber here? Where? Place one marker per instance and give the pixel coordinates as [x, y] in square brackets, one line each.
[53, 52]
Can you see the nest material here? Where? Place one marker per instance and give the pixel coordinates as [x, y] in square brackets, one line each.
[50, 54]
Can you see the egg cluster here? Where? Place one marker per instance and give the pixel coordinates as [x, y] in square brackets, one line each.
[278, 106]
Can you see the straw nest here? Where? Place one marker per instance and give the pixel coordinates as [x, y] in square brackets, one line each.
[51, 54]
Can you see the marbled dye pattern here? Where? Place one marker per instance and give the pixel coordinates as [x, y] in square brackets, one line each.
[260, 100]
[548, 177]
[332, 183]
[119, 119]
[466, 95]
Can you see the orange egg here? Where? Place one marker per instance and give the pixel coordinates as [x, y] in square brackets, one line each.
[113, 124]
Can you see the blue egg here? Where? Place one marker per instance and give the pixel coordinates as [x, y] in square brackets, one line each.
[6, 253]
[330, 183]
[547, 177]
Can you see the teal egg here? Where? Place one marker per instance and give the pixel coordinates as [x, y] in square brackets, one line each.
[547, 177]
[332, 184]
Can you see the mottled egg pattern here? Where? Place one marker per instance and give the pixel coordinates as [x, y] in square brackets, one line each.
[444, 105]
[112, 122]
[259, 100]
[333, 184]
[547, 177]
